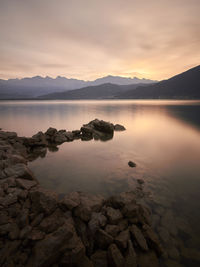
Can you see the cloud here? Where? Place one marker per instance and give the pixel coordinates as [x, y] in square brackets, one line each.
[87, 39]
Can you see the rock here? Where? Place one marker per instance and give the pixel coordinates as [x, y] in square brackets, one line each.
[25, 184]
[130, 256]
[9, 200]
[102, 220]
[138, 236]
[51, 223]
[112, 230]
[131, 210]
[113, 215]
[164, 235]
[122, 224]
[101, 126]
[122, 239]
[148, 259]
[173, 253]
[172, 263]
[43, 200]
[132, 164]
[140, 181]
[70, 201]
[37, 220]
[25, 232]
[115, 257]
[10, 248]
[74, 256]
[99, 258]
[88, 204]
[152, 239]
[119, 127]
[168, 221]
[47, 251]
[103, 239]
[36, 234]
[14, 231]
[50, 132]
[19, 170]
[82, 231]
[190, 254]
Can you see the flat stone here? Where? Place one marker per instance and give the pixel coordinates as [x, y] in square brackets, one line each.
[138, 236]
[26, 184]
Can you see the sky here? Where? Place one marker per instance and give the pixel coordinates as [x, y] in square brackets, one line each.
[88, 39]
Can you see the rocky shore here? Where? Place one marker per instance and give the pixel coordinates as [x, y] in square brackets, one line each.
[39, 229]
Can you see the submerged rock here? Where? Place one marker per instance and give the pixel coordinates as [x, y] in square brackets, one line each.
[119, 127]
[131, 164]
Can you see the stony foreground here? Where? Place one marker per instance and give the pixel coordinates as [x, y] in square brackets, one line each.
[39, 229]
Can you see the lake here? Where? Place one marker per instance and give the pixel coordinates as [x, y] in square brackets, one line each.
[162, 137]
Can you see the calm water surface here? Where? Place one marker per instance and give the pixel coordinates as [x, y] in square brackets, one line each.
[162, 137]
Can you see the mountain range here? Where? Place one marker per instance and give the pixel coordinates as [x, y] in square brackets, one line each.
[36, 86]
[182, 86]
[185, 85]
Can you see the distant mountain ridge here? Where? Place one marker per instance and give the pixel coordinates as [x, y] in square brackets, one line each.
[36, 86]
[182, 86]
[185, 85]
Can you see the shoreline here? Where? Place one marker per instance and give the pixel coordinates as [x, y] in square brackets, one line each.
[39, 229]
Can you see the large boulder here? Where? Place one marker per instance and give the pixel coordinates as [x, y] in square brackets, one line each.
[43, 201]
[49, 250]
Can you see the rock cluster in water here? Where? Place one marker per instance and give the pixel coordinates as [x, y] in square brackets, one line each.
[39, 229]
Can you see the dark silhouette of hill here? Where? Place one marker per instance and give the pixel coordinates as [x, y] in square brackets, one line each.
[103, 91]
[182, 86]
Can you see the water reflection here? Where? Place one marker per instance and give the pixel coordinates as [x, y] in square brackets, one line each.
[162, 137]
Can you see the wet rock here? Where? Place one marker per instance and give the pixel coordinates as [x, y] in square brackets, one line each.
[164, 235]
[101, 126]
[25, 184]
[82, 231]
[99, 258]
[113, 215]
[19, 170]
[36, 234]
[190, 254]
[51, 223]
[51, 248]
[37, 219]
[131, 164]
[9, 200]
[123, 224]
[25, 232]
[122, 239]
[152, 239]
[10, 248]
[43, 200]
[112, 230]
[168, 221]
[148, 259]
[14, 231]
[173, 253]
[103, 239]
[70, 201]
[115, 257]
[23, 218]
[88, 204]
[138, 236]
[140, 181]
[50, 132]
[4, 218]
[119, 127]
[130, 256]
[131, 210]
[98, 216]
[172, 263]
